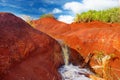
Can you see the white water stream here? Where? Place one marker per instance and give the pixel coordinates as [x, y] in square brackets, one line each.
[69, 71]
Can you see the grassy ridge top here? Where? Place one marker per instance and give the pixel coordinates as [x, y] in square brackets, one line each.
[47, 16]
[109, 15]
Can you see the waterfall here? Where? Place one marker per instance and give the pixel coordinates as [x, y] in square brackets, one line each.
[65, 51]
[69, 71]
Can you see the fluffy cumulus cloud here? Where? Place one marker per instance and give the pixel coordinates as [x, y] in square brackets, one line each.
[66, 18]
[85, 5]
[100, 4]
[78, 7]
[56, 10]
[73, 6]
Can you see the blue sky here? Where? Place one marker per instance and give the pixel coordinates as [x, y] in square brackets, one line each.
[64, 10]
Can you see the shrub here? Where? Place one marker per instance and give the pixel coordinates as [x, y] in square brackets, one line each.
[109, 15]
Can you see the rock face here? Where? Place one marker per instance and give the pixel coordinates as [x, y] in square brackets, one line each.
[86, 38]
[25, 53]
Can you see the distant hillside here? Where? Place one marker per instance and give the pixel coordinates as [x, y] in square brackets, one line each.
[109, 15]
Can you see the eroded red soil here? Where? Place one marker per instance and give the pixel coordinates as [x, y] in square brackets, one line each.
[29, 54]
[86, 37]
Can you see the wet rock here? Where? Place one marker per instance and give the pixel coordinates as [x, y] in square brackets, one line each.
[75, 58]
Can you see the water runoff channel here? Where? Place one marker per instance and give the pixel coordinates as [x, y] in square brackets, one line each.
[70, 71]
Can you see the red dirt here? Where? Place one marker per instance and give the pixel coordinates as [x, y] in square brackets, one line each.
[25, 53]
[85, 37]
[28, 54]
[51, 26]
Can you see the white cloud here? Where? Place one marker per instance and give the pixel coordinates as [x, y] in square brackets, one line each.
[100, 4]
[66, 18]
[56, 10]
[75, 7]
[24, 17]
[78, 7]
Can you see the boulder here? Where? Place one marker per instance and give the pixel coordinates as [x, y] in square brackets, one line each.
[25, 53]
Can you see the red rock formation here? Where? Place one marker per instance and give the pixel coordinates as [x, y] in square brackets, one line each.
[86, 37]
[25, 53]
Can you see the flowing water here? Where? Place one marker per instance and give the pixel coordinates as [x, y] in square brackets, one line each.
[65, 53]
[69, 71]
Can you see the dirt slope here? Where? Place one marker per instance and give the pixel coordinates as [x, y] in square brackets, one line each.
[51, 26]
[86, 37]
[29, 54]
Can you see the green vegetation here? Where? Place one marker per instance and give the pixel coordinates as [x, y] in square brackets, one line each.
[47, 15]
[109, 15]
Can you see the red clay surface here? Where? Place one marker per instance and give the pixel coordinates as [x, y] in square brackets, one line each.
[85, 37]
[29, 54]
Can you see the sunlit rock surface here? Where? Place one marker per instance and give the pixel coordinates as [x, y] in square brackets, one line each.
[25, 53]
